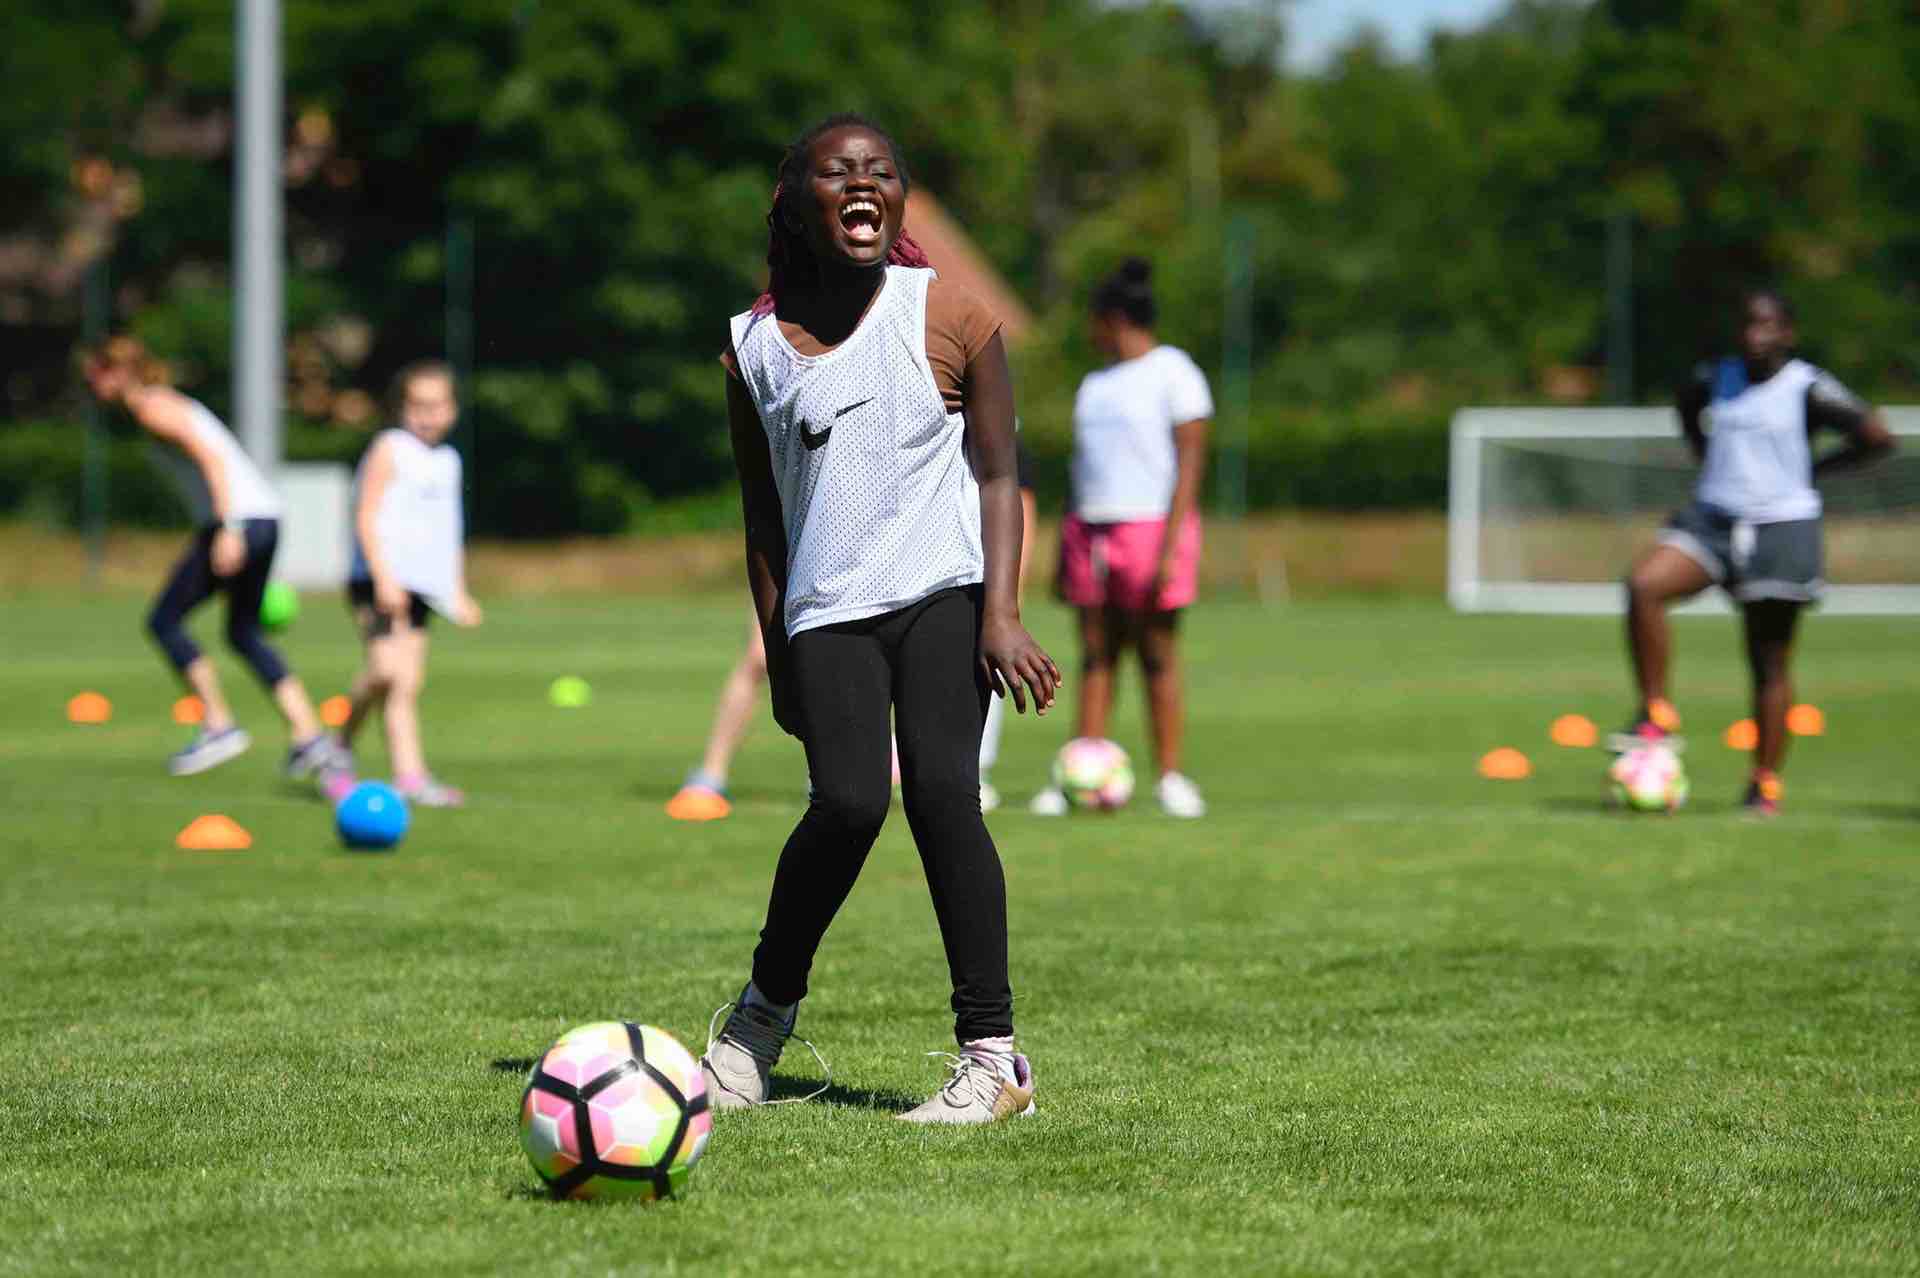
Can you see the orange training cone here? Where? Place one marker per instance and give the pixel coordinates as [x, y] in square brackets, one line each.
[1505, 764]
[1807, 721]
[214, 832]
[189, 710]
[697, 803]
[1743, 735]
[334, 711]
[1575, 731]
[89, 707]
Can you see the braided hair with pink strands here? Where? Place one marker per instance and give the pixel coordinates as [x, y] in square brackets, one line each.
[788, 253]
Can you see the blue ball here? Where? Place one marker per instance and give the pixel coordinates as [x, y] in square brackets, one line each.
[373, 815]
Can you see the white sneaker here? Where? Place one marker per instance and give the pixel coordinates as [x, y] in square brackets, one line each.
[312, 757]
[977, 1092]
[740, 1057]
[989, 797]
[739, 1060]
[1179, 796]
[1049, 802]
[208, 750]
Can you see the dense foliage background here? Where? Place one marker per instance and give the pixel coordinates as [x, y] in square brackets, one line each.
[1422, 233]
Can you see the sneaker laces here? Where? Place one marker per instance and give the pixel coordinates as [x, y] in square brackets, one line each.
[964, 1081]
[756, 1033]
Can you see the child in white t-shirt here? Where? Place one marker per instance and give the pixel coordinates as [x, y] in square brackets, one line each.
[1130, 551]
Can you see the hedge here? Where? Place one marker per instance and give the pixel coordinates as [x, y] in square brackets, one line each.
[43, 470]
[1307, 460]
[1295, 460]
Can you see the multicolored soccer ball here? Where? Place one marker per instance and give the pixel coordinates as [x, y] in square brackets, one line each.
[1649, 778]
[1093, 773]
[615, 1110]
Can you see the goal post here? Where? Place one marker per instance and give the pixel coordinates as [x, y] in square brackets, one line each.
[1546, 507]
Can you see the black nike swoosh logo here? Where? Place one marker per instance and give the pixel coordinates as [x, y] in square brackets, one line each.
[849, 408]
[812, 441]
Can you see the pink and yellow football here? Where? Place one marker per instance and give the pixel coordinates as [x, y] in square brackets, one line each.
[615, 1110]
[1093, 773]
[1649, 778]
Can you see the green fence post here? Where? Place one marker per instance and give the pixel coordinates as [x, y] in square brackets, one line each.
[459, 331]
[1236, 388]
[96, 315]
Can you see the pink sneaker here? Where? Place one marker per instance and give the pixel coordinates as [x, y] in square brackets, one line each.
[336, 784]
[425, 792]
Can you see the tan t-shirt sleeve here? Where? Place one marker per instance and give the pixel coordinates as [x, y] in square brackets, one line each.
[959, 326]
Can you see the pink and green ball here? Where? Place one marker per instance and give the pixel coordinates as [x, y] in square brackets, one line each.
[1094, 773]
[1649, 778]
[632, 1122]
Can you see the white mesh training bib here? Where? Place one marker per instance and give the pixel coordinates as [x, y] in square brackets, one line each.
[880, 506]
[1759, 463]
[420, 522]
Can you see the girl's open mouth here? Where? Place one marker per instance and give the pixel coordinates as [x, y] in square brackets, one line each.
[860, 219]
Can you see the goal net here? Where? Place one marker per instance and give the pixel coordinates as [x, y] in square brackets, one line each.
[1546, 508]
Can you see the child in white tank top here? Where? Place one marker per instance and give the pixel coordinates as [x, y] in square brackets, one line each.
[236, 515]
[408, 563]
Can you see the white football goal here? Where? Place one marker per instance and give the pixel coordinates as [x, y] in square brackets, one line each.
[1546, 507]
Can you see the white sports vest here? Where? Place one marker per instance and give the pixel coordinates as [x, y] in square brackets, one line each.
[249, 495]
[880, 506]
[1759, 464]
[420, 522]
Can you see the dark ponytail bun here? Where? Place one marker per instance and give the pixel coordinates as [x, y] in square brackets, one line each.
[1128, 292]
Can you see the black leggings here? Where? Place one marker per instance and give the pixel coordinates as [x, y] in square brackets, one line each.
[193, 583]
[920, 662]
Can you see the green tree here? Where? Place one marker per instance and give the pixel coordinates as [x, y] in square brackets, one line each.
[1428, 231]
[1764, 143]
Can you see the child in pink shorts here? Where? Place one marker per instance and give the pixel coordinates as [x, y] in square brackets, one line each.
[1118, 564]
[1130, 551]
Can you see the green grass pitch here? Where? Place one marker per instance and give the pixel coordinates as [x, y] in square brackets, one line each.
[1374, 1016]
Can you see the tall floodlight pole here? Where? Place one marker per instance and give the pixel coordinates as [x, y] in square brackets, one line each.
[259, 257]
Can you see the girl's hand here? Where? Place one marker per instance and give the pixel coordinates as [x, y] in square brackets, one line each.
[1162, 582]
[228, 552]
[1014, 665]
[390, 597]
[466, 610]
